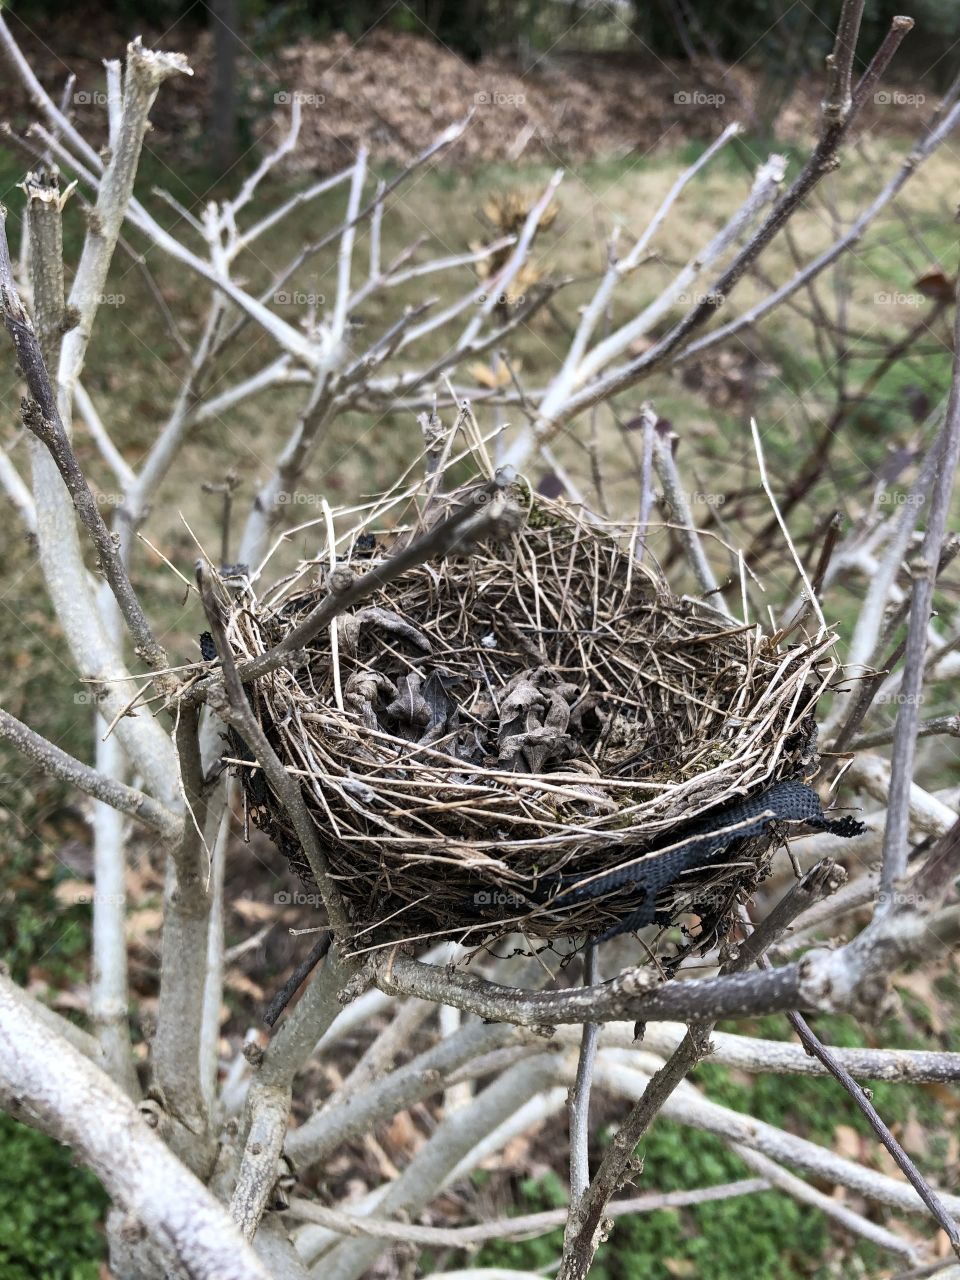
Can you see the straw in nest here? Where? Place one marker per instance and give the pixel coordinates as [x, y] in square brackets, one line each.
[492, 721]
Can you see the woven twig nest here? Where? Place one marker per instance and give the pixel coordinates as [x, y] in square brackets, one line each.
[493, 720]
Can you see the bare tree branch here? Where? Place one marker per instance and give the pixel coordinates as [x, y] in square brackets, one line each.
[236, 711]
[183, 964]
[93, 783]
[47, 1083]
[523, 1227]
[42, 417]
[821, 161]
[923, 569]
[938, 1210]
[579, 1105]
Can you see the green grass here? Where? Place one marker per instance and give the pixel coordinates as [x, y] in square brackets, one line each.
[49, 1210]
[763, 1236]
[766, 1235]
[40, 939]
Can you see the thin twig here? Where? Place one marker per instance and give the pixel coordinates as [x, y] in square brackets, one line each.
[297, 978]
[42, 418]
[811, 593]
[815, 1046]
[93, 783]
[820, 882]
[482, 514]
[526, 1227]
[236, 710]
[666, 468]
[821, 162]
[924, 570]
[579, 1106]
[949, 725]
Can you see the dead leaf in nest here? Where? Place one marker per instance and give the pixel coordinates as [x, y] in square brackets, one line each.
[533, 723]
[521, 701]
[435, 691]
[363, 690]
[409, 708]
[350, 625]
[536, 747]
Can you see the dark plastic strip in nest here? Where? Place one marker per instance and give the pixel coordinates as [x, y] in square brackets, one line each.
[785, 802]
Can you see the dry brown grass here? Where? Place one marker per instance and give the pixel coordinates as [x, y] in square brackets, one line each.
[487, 722]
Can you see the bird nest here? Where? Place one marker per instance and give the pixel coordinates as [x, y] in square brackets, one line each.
[495, 719]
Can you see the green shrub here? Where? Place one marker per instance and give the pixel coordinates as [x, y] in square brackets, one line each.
[49, 1210]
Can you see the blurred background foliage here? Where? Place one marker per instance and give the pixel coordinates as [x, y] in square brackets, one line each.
[727, 29]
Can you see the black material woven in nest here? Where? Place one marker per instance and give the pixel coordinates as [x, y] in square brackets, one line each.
[711, 838]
